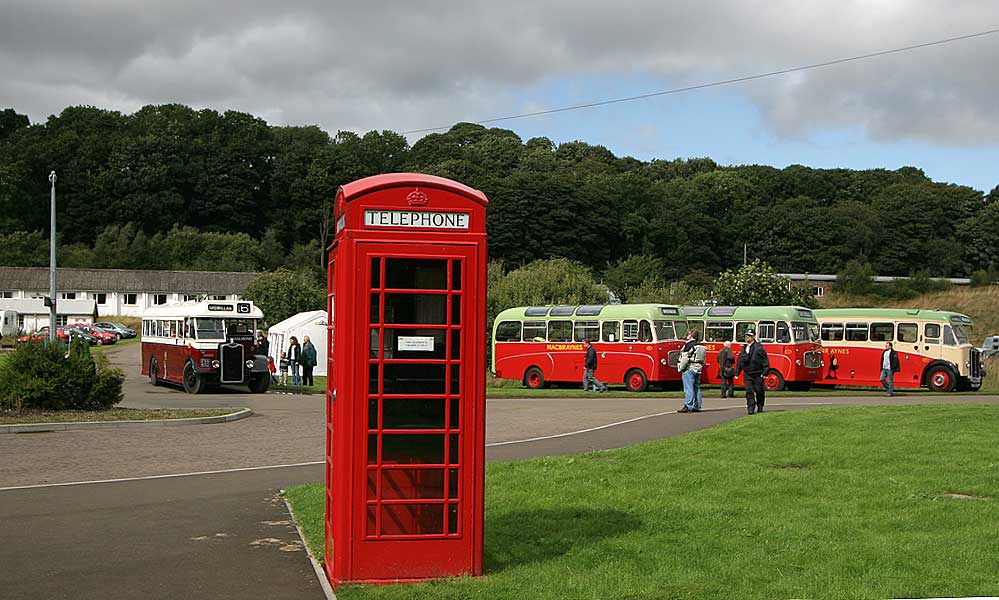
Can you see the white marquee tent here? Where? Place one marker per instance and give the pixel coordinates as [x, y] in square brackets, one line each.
[312, 324]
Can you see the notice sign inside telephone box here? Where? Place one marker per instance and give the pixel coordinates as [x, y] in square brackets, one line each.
[416, 343]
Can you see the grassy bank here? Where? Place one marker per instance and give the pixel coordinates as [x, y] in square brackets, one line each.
[115, 414]
[859, 502]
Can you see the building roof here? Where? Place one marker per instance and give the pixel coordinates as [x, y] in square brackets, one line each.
[125, 280]
[36, 306]
[874, 278]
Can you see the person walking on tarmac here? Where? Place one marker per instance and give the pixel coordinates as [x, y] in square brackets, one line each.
[726, 370]
[590, 369]
[889, 366]
[754, 362]
[692, 357]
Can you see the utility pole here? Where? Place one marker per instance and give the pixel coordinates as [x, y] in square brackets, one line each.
[745, 255]
[52, 264]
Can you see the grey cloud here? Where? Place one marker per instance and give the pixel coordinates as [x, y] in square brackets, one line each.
[400, 65]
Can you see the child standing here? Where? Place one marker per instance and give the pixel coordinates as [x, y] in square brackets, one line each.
[272, 368]
[284, 368]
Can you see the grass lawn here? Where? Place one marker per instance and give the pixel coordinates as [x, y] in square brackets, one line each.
[318, 388]
[852, 502]
[114, 414]
[118, 344]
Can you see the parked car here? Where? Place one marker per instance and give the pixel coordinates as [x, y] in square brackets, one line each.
[85, 336]
[990, 347]
[123, 330]
[43, 334]
[103, 337]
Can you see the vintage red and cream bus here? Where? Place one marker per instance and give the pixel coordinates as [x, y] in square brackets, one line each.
[934, 348]
[203, 344]
[790, 335]
[637, 344]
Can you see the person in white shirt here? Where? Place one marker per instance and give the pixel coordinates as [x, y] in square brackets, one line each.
[889, 366]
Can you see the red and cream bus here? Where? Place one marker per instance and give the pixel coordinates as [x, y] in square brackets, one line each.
[638, 344]
[790, 335]
[934, 348]
[203, 344]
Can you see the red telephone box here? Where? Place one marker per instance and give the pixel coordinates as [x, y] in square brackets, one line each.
[405, 433]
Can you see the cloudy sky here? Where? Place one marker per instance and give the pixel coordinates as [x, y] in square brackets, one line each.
[402, 66]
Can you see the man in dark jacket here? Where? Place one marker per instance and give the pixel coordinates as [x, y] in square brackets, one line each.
[590, 369]
[308, 361]
[726, 370]
[889, 366]
[754, 362]
[262, 346]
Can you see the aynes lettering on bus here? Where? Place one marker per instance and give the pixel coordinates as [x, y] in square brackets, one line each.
[415, 219]
[835, 350]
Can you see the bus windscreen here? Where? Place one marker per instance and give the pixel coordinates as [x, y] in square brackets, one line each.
[209, 329]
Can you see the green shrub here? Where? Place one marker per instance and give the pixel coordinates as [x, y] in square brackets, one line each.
[43, 376]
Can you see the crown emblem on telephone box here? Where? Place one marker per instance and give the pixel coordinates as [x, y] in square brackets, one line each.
[417, 198]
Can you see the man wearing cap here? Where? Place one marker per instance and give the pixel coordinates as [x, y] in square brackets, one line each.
[754, 362]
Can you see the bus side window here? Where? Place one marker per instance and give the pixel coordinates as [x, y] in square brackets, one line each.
[718, 331]
[856, 332]
[644, 331]
[908, 332]
[765, 332]
[611, 331]
[586, 330]
[508, 331]
[931, 333]
[783, 333]
[630, 333]
[882, 332]
[535, 331]
[832, 332]
[560, 331]
[948, 336]
[741, 328]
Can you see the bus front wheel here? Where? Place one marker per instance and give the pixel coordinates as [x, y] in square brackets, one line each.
[941, 379]
[534, 379]
[773, 381]
[259, 383]
[154, 377]
[636, 381]
[193, 383]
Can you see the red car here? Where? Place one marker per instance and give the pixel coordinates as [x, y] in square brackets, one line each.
[43, 334]
[103, 337]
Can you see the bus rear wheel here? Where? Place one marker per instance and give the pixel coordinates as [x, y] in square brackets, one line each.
[154, 377]
[534, 378]
[636, 381]
[941, 379]
[193, 382]
[773, 381]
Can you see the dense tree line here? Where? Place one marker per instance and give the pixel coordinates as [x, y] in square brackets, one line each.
[173, 187]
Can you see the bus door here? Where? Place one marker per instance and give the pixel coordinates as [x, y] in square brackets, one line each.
[910, 353]
[613, 358]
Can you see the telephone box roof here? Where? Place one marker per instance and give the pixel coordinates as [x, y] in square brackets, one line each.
[376, 182]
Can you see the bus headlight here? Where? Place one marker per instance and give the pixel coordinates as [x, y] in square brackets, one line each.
[798, 362]
[249, 364]
[216, 364]
[663, 362]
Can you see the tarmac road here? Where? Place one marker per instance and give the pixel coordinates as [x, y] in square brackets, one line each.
[226, 534]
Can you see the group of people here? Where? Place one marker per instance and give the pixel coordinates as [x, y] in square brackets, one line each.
[299, 360]
[752, 361]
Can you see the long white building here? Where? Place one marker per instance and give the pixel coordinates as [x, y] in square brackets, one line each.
[121, 291]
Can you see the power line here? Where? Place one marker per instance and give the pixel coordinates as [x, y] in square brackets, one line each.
[717, 83]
